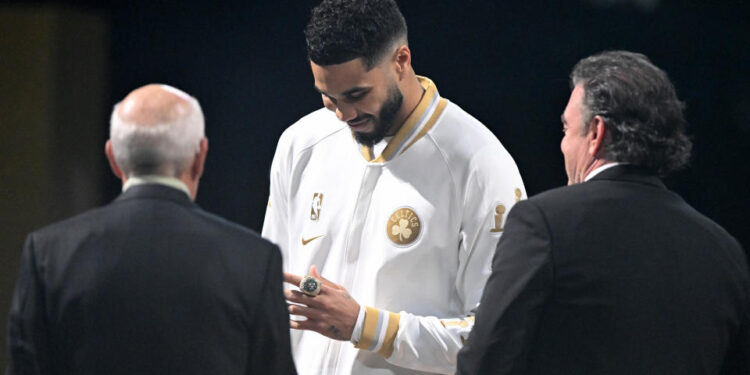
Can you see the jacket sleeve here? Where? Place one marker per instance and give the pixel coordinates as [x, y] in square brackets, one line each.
[431, 343]
[521, 280]
[737, 360]
[27, 326]
[270, 350]
[275, 223]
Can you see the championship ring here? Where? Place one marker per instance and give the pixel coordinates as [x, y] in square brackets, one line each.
[310, 286]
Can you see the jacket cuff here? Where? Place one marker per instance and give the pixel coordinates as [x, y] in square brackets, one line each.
[379, 333]
[358, 326]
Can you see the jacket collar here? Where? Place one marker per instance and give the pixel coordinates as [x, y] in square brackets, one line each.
[416, 125]
[630, 173]
[155, 191]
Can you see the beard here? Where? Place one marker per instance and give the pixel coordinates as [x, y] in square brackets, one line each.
[383, 123]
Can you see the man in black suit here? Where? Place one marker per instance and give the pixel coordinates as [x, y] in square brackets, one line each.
[150, 284]
[614, 274]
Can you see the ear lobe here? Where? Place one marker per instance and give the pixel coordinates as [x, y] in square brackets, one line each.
[596, 135]
[111, 158]
[402, 59]
[199, 162]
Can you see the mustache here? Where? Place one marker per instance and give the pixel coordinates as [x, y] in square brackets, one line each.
[361, 118]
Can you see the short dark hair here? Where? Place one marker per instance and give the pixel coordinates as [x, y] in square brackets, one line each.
[343, 30]
[643, 117]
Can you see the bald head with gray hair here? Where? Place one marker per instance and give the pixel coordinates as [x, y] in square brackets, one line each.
[158, 130]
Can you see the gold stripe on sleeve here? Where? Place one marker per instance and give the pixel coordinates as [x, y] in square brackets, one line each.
[390, 335]
[370, 325]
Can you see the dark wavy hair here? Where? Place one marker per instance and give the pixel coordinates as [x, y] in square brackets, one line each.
[343, 30]
[642, 115]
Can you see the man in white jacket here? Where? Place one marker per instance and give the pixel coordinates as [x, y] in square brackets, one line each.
[395, 195]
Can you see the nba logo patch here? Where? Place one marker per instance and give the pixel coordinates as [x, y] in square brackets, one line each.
[317, 203]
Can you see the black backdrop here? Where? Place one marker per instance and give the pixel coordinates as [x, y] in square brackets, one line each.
[505, 62]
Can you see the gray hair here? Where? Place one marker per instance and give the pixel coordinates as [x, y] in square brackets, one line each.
[165, 149]
[641, 112]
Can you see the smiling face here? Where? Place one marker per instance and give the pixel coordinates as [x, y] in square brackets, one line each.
[368, 101]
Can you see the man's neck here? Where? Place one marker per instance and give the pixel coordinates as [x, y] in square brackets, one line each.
[412, 93]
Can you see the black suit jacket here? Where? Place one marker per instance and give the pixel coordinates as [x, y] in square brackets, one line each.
[616, 275]
[149, 284]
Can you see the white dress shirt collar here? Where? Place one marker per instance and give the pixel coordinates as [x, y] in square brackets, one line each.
[600, 169]
[155, 179]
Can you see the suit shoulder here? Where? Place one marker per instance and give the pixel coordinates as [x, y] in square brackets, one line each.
[559, 200]
[556, 194]
[598, 197]
[718, 233]
[231, 230]
[83, 219]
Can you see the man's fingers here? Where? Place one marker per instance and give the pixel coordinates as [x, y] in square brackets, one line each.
[304, 311]
[292, 278]
[309, 325]
[302, 324]
[299, 297]
[314, 273]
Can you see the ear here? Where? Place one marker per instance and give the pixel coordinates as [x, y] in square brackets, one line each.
[402, 59]
[112, 163]
[328, 103]
[596, 134]
[196, 170]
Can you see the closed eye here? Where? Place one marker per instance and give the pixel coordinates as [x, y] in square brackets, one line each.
[355, 96]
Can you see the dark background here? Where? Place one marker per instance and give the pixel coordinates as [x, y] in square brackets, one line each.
[504, 62]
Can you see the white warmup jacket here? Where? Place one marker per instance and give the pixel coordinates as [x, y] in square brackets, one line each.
[409, 233]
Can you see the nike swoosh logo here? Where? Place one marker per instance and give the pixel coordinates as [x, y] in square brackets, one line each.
[307, 241]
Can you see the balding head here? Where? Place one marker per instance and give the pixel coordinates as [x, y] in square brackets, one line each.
[153, 105]
[156, 129]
